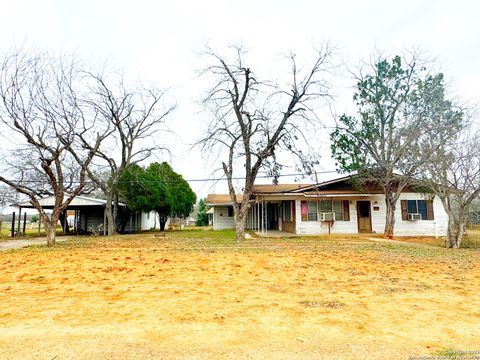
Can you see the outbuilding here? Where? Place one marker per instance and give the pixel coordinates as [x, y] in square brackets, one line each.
[89, 216]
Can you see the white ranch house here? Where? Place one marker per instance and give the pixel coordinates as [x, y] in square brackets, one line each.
[332, 207]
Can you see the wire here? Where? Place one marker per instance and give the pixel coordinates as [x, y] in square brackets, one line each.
[174, 181]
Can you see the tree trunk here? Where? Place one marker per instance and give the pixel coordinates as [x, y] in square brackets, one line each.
[50, 232]
[240, 229]
[162, 221]
[240, 217]
[457, 220]
[64, 223]
[455, 232]
[111, 226]
[390, 216]
[115, 212]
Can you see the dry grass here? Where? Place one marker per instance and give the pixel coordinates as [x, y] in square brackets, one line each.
[31, 230]
[198, 294]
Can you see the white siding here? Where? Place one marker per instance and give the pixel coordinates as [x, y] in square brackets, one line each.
[221, 220]
[438, 226]
[379, 217]
[149, 220]
[317, 227]
[421, 227]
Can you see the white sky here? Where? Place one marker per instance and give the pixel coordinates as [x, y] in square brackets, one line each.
[159, 42]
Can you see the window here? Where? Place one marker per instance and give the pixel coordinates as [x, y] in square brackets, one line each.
[417, 207]
[325, 205]
[422, 207]
[412, 206]
[230, 211]
[339, 207]
[287, 211]
[312, 211]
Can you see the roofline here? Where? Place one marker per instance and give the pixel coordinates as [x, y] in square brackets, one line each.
[219, 204]
[325, 183]
[28, 205]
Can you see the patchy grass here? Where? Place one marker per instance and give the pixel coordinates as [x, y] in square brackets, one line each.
[472, 238]
[31, 232]
[200, 294]
[331, 304]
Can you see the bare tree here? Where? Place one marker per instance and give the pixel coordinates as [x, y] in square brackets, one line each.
[401, 107]
[136, 116]
[253, 120]
[454, 175]
[41, 113]
[7, 197]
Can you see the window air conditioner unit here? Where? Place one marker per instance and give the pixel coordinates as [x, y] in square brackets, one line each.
[327, 216]
[413, 217]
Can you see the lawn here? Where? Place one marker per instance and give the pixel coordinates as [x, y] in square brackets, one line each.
[199, 294]
[31, 230]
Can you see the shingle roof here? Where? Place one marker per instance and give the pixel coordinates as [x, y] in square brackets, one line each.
[271, 188]
[224, 199]
[221, 199]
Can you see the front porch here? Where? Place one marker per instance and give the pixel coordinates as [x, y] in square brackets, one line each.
[273, 216]
[276, 217]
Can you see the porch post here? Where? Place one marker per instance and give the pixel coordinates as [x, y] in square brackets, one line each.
[19, 220]
[255, 220]
[266, 217]
[261, 218]
[65, 222]
[77, 219]
[24, 221]
[104, 220]
[12, 230]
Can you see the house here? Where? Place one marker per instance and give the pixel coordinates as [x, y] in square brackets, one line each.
[335, 207]
[87, 214]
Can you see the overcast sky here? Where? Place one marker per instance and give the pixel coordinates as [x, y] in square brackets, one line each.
[159, 42]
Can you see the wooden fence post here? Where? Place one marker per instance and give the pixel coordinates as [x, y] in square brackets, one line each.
[24, 221]
[19, 220]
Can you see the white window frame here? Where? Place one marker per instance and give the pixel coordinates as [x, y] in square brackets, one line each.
[339, 216]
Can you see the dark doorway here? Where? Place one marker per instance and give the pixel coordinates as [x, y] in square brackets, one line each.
[364, 218]
[272, 216]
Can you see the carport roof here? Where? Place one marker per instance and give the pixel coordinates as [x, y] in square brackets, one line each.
[78, 201]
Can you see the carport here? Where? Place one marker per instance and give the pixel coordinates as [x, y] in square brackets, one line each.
[89, 214]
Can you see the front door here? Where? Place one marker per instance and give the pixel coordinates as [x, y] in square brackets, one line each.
[364, 217]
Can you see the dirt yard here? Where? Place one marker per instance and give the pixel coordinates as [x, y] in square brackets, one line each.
[199, 295]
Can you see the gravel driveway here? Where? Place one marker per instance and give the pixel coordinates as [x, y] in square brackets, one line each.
[21, 243]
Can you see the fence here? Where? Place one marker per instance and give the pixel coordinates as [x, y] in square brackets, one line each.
[24, 226]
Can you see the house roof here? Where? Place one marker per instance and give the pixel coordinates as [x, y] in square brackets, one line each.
[336, 187]
[279, 188]
[221, 199]
[315, 187]
[343, 186]
[224, 199]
